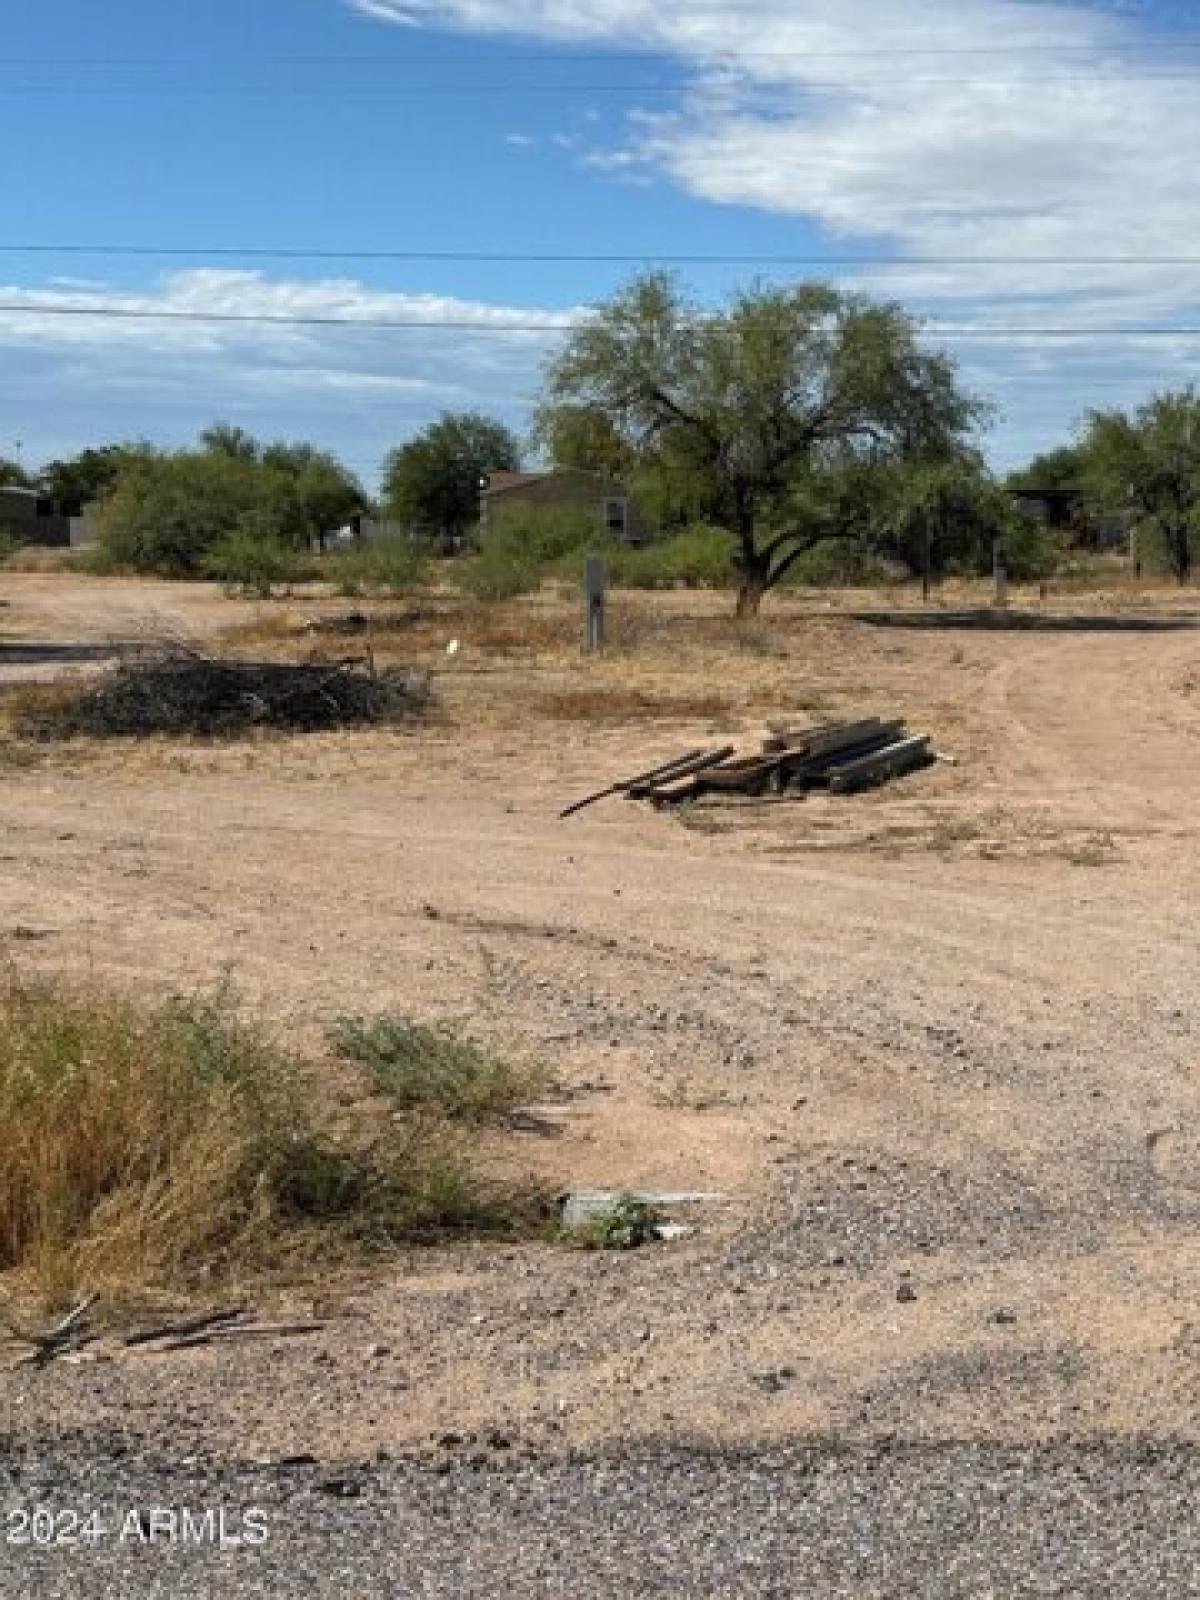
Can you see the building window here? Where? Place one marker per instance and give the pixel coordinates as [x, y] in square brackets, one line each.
[616, 517]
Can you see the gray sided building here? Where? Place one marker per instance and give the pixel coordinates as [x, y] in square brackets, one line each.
[31, 518]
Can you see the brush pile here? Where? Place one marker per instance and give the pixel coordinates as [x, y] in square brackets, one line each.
[181, 691]
[842, 757]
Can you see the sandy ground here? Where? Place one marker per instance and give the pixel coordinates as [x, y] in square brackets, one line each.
[935, 1048]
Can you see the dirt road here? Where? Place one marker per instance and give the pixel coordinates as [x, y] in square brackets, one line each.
[935, 1048]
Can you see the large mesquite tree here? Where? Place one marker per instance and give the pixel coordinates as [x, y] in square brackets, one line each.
[1147, 466]
[782, 384]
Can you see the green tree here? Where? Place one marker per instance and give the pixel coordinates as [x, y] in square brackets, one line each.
[166, 512]
[951, 513]
[322, 494]
[227, 439]
[584, 438]
[432, 482]
[782, 385]
[13, 475]
[78, 480]
[1147, 464]
[1062, 468]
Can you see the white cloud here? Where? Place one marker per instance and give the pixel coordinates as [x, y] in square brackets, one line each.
[358, 389]
[1026, 128]
[971, 152]
[378, 10]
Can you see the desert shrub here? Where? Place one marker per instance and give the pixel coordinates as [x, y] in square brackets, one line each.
[147, 1144]
[499, 574]
[524, 543]
[1160, 553]
[98, 561]
[836, 563]
[699, 557]
[388, 566]
[543, 534]
[165, 513]
[251, 562]
[435, 1068]
[184, 693]
[1031, 551]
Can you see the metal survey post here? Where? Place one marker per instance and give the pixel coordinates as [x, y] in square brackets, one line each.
[595, 582]
[1000, 575]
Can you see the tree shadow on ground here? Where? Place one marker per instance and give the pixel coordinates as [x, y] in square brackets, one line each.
[1000, 621]
[33, 653]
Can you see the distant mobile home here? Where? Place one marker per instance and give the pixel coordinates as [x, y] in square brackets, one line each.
[607, 498]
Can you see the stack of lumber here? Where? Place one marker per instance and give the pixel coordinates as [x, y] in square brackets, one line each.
[842, 757]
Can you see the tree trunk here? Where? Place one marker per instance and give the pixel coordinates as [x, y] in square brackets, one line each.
[750, 594]
[1179, 544]
[754, 567]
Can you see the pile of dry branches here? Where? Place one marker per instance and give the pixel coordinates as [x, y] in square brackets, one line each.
[178, 690]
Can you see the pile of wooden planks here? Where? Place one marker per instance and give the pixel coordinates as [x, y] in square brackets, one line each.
[842, 757]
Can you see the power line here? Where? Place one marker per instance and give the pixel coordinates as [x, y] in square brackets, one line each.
[589, 258]
[693, 84]
[1166, 44]
[139, 314]
[458, 325]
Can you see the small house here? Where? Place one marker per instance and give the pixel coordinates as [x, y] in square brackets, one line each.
[32, 518]
[1069, 512]
[562, 487]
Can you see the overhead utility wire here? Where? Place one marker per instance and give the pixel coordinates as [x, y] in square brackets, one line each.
[460, 325]
[1166, 44]
[694, 83]
[589, 258]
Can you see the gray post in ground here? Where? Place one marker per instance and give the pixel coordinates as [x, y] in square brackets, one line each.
[1000, 575]
[595, 583]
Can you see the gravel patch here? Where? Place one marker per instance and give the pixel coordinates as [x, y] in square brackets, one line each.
[822, 1522]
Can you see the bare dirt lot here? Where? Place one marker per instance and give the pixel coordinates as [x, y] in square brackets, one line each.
[935, 1047]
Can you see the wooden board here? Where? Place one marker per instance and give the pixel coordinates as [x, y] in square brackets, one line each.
[646, 788]
[832, 740]
[890, 762]
[746, 776]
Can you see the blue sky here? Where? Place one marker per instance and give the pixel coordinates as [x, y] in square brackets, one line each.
[890, 130]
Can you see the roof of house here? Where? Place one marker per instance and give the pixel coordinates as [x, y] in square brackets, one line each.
[19, 489]
[506, 482]
[501, 482]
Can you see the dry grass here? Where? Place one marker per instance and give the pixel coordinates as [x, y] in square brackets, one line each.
[159, 1145]
[43, 558]
[614, 702]
[278, 628]
[515, 629]
[41, 702]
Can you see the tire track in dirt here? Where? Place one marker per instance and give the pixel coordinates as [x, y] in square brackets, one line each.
[1101, 726]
